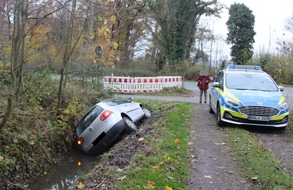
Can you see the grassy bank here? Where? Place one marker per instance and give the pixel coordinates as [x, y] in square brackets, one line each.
[167, 165]
[259, 164]
[163, 162]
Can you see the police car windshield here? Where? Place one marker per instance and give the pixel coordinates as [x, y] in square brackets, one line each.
[250, 81]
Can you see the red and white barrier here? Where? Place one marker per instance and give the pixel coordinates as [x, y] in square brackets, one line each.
[140, 84]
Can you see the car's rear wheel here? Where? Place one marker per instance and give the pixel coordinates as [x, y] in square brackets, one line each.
[219, 120]
[147, 112]
[129, 124]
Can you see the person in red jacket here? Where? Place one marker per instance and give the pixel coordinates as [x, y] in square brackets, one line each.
[203, 85]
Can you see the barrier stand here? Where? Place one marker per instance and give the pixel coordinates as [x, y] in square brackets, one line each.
[140, 84]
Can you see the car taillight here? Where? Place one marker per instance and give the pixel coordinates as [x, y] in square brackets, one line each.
[79, 140]
[105, 115]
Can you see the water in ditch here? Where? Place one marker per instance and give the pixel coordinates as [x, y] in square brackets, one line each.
[65, 174]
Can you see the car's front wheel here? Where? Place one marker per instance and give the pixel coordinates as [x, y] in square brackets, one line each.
[147, 112]
[219, 120]
[211, 110]
[129, 124]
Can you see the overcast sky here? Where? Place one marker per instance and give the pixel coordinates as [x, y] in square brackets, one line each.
[270, 19]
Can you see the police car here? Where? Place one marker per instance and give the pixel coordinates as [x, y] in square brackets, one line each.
[246, 95]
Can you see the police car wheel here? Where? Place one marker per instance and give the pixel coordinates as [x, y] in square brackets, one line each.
[211, 110]
[219, 121]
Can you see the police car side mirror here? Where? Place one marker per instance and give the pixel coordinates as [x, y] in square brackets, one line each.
[281, 88]
[216, 84]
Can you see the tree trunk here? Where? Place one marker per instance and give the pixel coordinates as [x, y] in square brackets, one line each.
[23, 15]
[68, 50]
[16, 56]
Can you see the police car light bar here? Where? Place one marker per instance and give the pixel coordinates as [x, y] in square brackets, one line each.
[244, 67]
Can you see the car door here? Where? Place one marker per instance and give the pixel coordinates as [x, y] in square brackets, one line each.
[217, 90]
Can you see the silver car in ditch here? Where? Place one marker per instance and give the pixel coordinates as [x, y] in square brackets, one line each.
[103, 123]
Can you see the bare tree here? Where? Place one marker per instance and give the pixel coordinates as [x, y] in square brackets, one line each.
[17, 55]
[67, 53]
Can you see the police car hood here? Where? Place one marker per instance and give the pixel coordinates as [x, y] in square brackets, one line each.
[257, 98]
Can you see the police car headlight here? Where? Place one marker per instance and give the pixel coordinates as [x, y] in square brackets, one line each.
[231, 102]
[283, 106]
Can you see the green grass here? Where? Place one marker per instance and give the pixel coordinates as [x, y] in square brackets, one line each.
[165, 165]
[259, 165]
[171, 91]
[289, 129]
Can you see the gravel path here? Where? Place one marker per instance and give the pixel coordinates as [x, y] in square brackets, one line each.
[213, 165]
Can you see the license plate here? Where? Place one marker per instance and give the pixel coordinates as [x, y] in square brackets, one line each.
[259, 118]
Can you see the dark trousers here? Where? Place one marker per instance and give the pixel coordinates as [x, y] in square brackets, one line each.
[205, 95]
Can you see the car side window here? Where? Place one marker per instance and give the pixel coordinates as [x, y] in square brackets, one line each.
[88, 118]
[220, 79]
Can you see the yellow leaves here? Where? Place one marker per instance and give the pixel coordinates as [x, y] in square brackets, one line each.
[80, 185]
[115, 45]
[177, 141]
[69, 111]
[113, 18]
[160, 164]
[169, 159]
[168, 188]
[165, 162]
[104, 32]
[140, 139]
[150, 185]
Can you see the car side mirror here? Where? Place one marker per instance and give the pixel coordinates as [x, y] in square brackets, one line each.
[216, 84]
[281, 88]
[130, 99]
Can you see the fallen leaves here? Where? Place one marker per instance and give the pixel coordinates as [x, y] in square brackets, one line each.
[208, 176]
[190, 143]
[149, 185]
[140, 139]
[168, 188]
[177, 141]
[106, 174]
[80, 185]
[169, 159]
[121, 178]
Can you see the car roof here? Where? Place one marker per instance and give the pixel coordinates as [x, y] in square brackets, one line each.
[244, 69]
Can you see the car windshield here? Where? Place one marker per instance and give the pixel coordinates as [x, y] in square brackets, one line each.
[115, 102]
[89, 117]
[250, 81]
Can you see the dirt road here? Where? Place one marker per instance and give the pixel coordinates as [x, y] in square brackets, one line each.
[213, 164]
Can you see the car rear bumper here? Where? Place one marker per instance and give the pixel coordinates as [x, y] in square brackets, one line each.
[105, 140]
